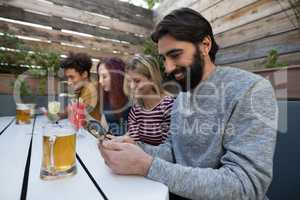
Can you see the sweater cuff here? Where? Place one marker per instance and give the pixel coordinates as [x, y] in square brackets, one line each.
[157, 170]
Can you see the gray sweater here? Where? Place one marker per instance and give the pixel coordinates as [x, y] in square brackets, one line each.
[222, 140]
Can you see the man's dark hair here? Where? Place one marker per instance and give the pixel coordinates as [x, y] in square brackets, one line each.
[81, 62]
[185, 24]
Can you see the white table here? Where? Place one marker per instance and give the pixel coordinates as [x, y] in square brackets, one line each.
[20, 162]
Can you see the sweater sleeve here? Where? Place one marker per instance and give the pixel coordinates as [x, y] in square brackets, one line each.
[163, 151]
[245, 170]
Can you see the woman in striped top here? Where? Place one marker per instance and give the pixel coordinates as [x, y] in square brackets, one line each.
[149, 118]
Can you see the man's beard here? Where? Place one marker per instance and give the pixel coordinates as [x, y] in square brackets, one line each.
[192, 74]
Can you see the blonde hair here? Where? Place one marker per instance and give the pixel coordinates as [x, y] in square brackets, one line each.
[147, 66]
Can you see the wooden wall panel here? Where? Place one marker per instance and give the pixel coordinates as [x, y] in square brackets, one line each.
[277, 23]
[167, 6]
[284, 43]
[258, 64]
[248, 14]
[222, 8]
[113, 8]
[58, 36]
[59, 23]
[227, 14]
[78, 15]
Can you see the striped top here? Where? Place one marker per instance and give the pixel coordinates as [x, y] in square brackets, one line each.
[150, 126]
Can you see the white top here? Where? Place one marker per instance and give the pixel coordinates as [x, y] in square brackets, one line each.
[14, 146]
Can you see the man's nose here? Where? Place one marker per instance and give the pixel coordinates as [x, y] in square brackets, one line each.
[169, 66]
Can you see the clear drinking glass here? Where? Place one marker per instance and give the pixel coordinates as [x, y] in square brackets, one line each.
[23, 113]
[59, 151]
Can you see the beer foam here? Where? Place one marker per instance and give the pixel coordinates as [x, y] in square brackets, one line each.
[59, 130]
[21, 106]
[58, 134]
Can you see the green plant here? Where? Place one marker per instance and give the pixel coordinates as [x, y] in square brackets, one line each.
[12, 53]
[149, 47]
[272, 60]
[16, 54]
[45, 61]
[42, 86]
[151, 3]
[24, 89]
[16, 58]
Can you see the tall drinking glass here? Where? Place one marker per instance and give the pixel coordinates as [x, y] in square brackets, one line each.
[59, 151]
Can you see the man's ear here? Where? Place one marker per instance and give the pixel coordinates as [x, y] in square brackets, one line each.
[85, 74]
[205, 46]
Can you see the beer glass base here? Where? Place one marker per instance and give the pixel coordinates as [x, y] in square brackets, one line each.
[23, 123]
[46, 175]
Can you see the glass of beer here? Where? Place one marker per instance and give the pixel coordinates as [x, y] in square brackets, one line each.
[59, 150]
[23, 114]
